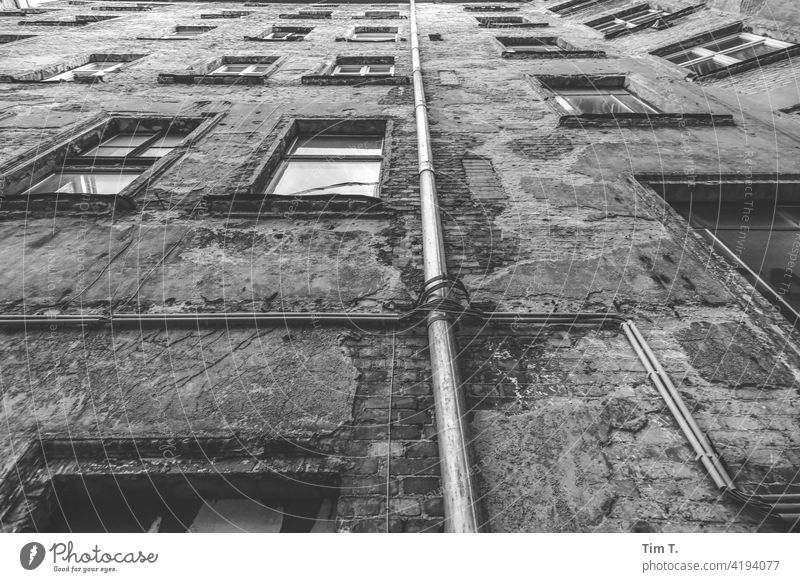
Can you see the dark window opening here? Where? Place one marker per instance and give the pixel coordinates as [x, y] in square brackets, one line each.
[185, 503]
[754, 225]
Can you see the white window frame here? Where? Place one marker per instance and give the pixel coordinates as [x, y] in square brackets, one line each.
[720, 57]
[596, 91]
[622, 22]
[249, 70]
[365, 70]
[85, 71]
[322, 158]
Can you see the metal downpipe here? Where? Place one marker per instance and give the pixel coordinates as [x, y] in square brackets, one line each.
[454, 452]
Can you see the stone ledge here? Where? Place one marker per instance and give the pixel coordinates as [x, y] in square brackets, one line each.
[354, 80]
[646, 120]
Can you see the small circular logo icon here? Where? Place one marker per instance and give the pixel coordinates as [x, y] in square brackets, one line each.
[31, 555]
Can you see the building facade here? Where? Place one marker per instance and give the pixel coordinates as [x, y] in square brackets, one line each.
[213, 296]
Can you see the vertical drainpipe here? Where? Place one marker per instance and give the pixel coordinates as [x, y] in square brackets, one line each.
[454, 453]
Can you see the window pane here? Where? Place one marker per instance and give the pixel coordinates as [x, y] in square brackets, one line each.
[162, 146]
[725, 43]
[99, 66]
[120, 145]
[595, 104]
[231, 69]
[751, 52]
[536, 48]
[379, 70]
[260, 69]
[348, 70]
[707, 66]
[155, 152]
[374, 36]
[680, 58]
[634, 104]
[312, 177]
[339, 145]
[94, 183]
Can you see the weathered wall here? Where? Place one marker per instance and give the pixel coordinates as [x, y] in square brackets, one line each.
[569, 434]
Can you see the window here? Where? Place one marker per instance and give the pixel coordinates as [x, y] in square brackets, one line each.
[242, 69]
[189, 503]
[281, 35]
[617, 24]
[327, 163]
[381, 14]
[574, 6]
[542, 47]
[366, 34]
[89, 70]
[6, 38]
[308, 14]
[724, 52]
[190, 31]
[362, 70]
[755, 225]
[107, 168]
[506, 22]
[491, 8]
[594, 100]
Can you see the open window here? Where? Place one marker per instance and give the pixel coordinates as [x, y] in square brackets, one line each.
[330, 163]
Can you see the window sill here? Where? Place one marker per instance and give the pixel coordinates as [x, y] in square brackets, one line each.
[170, 79]
[511, 54]
[47, 204]
[645, 120]
[515, 25]
[267, 206]
[354, 80]
[262, 39]
[749, 64]
[304, 16]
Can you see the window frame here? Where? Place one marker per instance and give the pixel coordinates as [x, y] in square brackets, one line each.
[365, 70]
[69, 75]
[289, 156]
[620, 24]
[721, 57]
[218, 72]
[64, 154]
[590, 91]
